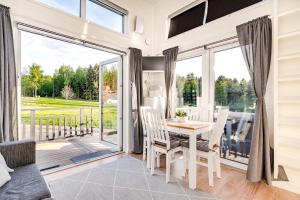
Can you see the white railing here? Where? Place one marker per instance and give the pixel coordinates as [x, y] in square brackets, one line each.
[50, 127]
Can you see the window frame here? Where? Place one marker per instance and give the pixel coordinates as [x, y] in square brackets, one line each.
[215, 49]
[205, 77]
[83, 12]
[111, 7]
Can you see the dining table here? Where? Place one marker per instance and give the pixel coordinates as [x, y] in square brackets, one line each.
[191, 129]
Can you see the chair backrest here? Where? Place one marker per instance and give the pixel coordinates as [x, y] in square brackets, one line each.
[218, 129]
[145, 121]
[194, 113]
[158, 131]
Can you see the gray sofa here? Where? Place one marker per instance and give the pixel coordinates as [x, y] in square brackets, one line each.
[26, 181]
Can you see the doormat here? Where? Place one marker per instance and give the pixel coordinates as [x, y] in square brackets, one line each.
[93, 155]
[281, 174]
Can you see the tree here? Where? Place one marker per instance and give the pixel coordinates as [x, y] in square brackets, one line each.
[221, 91]
[67, 92]
[35, 77]
[46, 87]
[91, 83]
[61, 78]
[78, 82]
[190, 91]
[26, 85]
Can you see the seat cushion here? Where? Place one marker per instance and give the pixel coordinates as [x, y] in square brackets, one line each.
[183, 136]
[174, 142]
[202, 145]
[26, 183]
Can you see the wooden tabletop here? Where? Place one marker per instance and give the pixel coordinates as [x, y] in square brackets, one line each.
[190, 125]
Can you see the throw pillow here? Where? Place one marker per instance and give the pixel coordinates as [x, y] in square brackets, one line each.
[4, 176]
[3, 163]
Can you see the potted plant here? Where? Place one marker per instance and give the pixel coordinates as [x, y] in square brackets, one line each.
[181, 116]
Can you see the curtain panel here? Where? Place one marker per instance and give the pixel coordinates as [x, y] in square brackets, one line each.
[170, 65]
[255, 38]
[135, 64]
[8, 80]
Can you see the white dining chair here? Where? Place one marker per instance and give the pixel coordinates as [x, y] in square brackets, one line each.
[162, 143]
[210, 149]
[145, 125]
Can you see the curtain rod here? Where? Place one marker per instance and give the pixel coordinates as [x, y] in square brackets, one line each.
[208, 44]
[67, 38]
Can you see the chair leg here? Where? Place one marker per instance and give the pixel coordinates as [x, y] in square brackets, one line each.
[158, 159]
[218, 165]
[210, 160]
[152, 160]
[144, 149]
[168, 167]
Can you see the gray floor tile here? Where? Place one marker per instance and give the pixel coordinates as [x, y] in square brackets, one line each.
[131, 180]
[131, 165]
[102, 176]
[126, 194]
[111, 165]
[165, 196]
[158, 183]
[81, 176]
[64, 189]
[92, 191]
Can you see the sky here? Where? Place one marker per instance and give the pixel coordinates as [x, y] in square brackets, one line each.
[95, 13]
[70, 6]
[229, 63]
[51, 54]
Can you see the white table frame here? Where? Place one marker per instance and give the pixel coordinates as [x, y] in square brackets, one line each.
[193, 149]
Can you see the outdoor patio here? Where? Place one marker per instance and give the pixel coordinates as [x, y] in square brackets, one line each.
[65, 151]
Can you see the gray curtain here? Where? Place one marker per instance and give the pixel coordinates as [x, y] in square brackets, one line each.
[8, 80]
[255, 38]
[170, 65]
[135, 64]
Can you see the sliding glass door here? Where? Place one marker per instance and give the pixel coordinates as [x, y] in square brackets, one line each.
[233, 89]
[110, 101]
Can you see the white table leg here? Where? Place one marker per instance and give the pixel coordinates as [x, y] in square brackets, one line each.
[192, 162]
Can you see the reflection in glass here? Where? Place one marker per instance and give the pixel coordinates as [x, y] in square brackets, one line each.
[233, 89]
[189, 82]
[69, 6]
[104, 17]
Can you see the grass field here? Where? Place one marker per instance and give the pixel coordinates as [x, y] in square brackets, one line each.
[62, 107]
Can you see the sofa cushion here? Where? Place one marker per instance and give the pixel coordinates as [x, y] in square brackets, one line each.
[4, 176]
[26, 183]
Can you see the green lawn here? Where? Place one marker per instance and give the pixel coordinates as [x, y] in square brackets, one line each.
[70, 108]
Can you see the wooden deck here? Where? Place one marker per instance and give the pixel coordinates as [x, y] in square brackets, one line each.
[58, 153]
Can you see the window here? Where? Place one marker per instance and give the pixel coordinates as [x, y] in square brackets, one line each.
[233, 89]
[221, 8]
[187, 20]
[102, 15]
[69, 6]
[102, 12]
[194, 14]
[189, 82]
